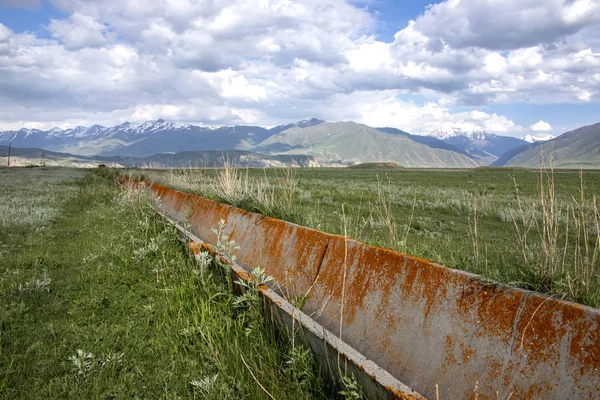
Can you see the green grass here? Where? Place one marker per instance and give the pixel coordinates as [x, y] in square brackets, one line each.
[103, 302]
[463, 219]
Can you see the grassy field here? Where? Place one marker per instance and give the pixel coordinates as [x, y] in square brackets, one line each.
[527, 228]
[98, 299]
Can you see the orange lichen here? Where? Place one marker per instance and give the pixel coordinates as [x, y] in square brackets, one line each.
[526, 332]
[403, 395]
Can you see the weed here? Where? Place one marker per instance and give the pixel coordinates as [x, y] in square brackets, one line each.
[36, 285]
[83, 362]
[207, 385]
[351, 389]
[204, 260]
[223, 244]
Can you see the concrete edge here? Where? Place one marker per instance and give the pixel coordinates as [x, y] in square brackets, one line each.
[375, 381]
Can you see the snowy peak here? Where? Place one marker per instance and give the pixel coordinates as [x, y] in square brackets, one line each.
[94, 132]
[309, 122]
[538, 138]
[136, 139]
[480, 144]
[305, 123]
[447, 133]
[154, 126]
[135, 129]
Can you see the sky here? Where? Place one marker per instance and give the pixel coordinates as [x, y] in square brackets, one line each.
[511, 67]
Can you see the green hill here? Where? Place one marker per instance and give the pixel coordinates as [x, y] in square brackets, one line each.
[575, 149]
[357, 143]
[388, 165]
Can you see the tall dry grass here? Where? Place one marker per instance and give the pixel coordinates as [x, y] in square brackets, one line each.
[564, 255]
[385, 212]
[272, 198]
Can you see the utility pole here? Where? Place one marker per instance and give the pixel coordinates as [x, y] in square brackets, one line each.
[43, 160]
[9, 153]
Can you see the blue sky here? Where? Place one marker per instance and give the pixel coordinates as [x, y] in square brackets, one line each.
[32, 19]
[512, 67]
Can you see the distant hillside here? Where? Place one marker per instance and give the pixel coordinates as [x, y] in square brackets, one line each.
[353, 142]
[302, 124]
[21, 157]
[194, 138]
[208, 159]
[239, 158]
[430, 141]
[579, 148]
[389, 165]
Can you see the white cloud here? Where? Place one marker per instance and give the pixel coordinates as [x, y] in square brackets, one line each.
[79, 31]
[506, 24]
[235, 85]
[272, 61]
[5, 33]
[385, 108]
[541, 126]
[369, 56]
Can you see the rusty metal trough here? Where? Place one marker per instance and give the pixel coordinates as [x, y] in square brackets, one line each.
[410, 323]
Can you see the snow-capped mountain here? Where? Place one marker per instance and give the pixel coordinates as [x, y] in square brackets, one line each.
[444, 133]
[480, 144]
[300, 124]
[143, 139]
[447, 133]
[56, 133]
[538, 138]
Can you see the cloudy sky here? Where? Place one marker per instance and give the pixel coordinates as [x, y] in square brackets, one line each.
[507, 66]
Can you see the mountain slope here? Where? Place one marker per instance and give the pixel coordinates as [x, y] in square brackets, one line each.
[301, 124]
[426, 140]
[349, 141]
[239, 158]
[210, 159]
[194, 138]
[129, 139]
[579, 148]
[21, 157]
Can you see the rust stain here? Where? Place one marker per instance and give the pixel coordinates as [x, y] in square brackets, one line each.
[403, 395]
[530, 329]
[195, 247]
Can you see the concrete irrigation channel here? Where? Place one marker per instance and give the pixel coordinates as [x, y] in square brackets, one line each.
[406, 324]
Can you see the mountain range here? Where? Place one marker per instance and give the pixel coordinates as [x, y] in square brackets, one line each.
[481, 145]
[311, 142]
